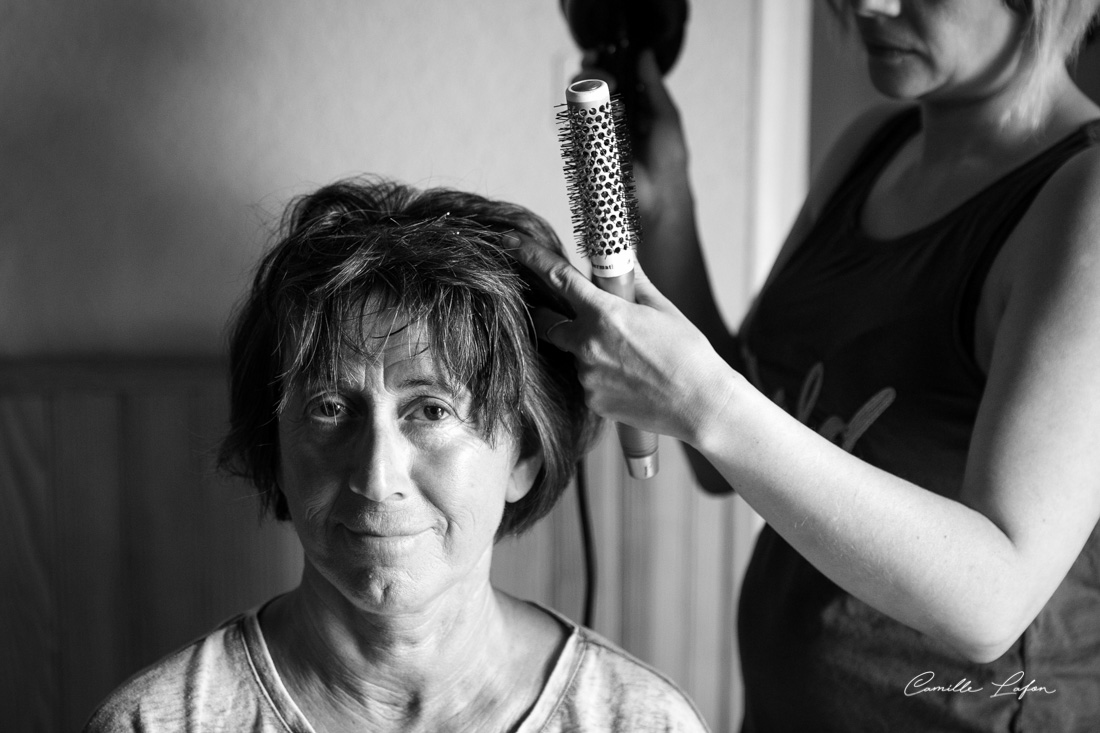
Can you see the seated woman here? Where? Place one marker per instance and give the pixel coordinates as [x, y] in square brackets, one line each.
[390, 398]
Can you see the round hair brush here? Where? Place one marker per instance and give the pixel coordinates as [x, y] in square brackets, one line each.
[600, 182]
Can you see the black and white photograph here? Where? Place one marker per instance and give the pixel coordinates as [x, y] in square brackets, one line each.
[550, 366]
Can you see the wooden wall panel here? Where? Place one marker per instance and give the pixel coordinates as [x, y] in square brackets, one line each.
[120, 541]
[710, 635]
[546, 564]
[29, 616]
[267, 557]
[566, 557]
[658, 538]
[91, 576]
[162, 509]
[519, 565]
[606, 485]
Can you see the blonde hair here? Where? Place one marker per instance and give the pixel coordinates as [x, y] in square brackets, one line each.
[1054, 31]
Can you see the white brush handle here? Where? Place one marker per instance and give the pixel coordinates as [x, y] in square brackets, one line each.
[606, 225]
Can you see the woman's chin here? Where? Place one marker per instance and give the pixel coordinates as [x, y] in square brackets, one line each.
[387, 593]
[392, 575]
[398, 590]
[892, 79]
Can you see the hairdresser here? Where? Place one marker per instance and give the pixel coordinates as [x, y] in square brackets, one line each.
[913, 402]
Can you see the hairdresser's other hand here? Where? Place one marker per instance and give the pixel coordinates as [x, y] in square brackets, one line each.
[660, 150]
[642, 364]
[658, 145]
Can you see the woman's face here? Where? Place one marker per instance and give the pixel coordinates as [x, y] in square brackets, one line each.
[393, 491]
[938, 50]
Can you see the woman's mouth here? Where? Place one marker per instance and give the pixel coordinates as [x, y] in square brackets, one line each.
[885, 52]
[385, 525]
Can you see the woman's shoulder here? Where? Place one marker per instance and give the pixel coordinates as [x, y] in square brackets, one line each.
[1073, 187]
[213, 671]
[1066, 210]
[636, 695]
[599, 686]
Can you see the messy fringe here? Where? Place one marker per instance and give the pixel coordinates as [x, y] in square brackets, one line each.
[438, 258]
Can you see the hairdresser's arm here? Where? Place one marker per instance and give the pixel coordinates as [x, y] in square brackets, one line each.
[971, 572]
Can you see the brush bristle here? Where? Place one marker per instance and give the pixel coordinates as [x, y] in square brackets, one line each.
[599, 177]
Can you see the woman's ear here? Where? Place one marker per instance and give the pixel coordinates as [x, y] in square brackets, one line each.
[524, 473]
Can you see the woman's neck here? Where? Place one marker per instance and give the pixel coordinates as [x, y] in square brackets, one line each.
[992, 127]
[430, 669]
[961, 149]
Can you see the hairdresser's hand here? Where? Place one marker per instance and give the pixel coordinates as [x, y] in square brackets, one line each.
[641, 364]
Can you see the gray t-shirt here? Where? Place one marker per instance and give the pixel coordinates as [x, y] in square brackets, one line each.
[226, 681]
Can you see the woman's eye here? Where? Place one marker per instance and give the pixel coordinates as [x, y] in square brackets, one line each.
[329, 409]
[430, 412]
[434, 412]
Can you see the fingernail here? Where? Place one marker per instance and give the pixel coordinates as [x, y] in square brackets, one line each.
[555, 325]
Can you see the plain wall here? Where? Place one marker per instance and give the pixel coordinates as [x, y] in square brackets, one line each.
[146, 148]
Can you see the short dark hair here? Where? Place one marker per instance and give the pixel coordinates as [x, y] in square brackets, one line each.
[439, 257]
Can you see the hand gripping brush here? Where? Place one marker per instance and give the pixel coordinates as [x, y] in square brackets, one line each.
[598, 174]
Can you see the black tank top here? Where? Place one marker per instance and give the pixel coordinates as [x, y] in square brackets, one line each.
[870, 342]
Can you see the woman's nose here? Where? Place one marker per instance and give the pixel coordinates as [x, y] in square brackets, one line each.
[379, 466]
[866, 8]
